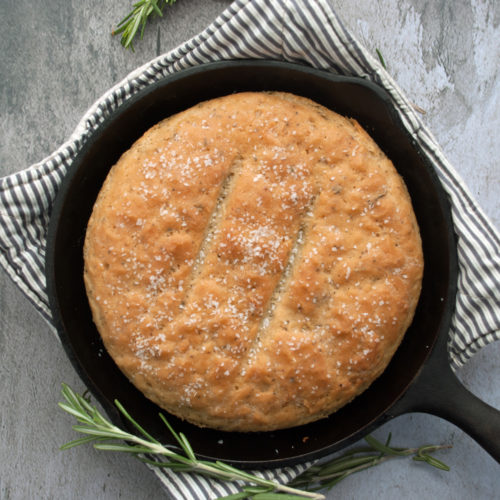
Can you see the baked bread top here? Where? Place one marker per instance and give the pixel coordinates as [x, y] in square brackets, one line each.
[253, 263]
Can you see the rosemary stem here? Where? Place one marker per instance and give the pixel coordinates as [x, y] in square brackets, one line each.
[208, 469]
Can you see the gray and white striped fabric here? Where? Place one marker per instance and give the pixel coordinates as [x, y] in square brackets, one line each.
[301, 31]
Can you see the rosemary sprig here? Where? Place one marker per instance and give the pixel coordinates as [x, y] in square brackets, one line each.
[137, 19]
[329, 474]
[104, 435]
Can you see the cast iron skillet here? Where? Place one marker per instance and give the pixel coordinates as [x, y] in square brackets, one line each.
[418, 378]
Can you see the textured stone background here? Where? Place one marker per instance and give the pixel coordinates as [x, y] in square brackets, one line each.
[57, 57]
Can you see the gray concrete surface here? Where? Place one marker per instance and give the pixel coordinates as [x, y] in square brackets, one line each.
[57, 57]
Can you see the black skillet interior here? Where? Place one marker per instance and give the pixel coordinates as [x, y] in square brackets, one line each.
[348, 96]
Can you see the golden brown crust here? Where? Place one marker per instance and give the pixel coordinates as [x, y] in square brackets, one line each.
[253, 263]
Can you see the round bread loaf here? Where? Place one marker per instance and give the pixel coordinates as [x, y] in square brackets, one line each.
[253, 263]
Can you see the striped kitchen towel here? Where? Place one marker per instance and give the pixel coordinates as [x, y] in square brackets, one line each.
[301, 31]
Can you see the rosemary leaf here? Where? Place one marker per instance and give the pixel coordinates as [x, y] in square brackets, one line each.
[254, 490]
[77, 442]
[277, 496]
[381, 59]
[187, 447]
[386, 450]
[235, 496]
[432, 461]
[342, 465]
[72, 411]
[114, 434]
[171, 429]
[121, 447]
[330, 484]
[126, 414]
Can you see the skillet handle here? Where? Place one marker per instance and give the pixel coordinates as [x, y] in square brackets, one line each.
[438, 391]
